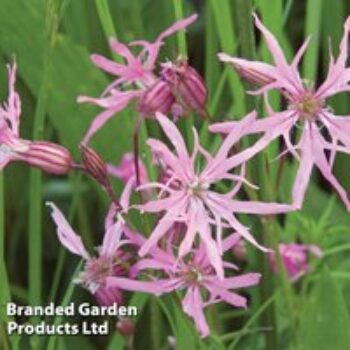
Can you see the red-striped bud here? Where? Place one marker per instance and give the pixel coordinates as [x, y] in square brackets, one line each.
[157, 98]
[252, 75]
[47, 156]
[97, 168]
[186, 84]
[94, 165]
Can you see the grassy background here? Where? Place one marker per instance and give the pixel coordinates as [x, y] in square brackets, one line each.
[51, 41]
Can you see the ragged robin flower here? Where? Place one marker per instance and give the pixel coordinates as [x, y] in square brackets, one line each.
[194, 275]
[136, 79]
[322, 131]
[47, 156]
[112, 259]
[190, 197]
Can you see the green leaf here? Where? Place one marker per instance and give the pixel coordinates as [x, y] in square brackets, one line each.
[185, 333]
[325, 321]
[313, 26]
[225, 28]
[72, 74]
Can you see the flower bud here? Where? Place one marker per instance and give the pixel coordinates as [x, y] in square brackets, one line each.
[48, 156]
[187, 85]
[97, 168]
[157, 98]
[126, 327]
[240, 251]
[253, 76]
[94, 165]
[253, 72]
[295, 258]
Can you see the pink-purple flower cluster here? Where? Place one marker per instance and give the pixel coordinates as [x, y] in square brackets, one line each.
[195, 201]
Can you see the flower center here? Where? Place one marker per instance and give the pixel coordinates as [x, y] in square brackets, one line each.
[192, 275]
[309, 107]
[95, 272]
[197, 188]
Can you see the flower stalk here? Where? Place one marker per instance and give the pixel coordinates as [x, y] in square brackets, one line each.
[35, 180]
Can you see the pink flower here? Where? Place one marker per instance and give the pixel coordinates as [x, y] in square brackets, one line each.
[190, 196]
[295, 258]
[196, 276]
[126, 169]
[47, 156]
[152, 93]
[111, 259]
[307, 109]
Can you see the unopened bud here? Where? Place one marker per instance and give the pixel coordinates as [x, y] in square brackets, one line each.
[94, 165]
[126, 327]
[252, 72]
[97, 168]
[157, 98]
[252, 75]
[240, 251]
[48, 156]
[187, 85]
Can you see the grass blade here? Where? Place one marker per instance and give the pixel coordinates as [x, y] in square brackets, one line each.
[224, 23]
[313, 28]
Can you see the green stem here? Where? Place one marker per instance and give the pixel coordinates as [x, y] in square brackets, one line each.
[250, 322]
[3, 275]
[35, 181]
[75, 180]
[65, 301]
[247, 49]
[107, 24]
[2, 219]
[156, 324]
[180, 36]
[182, 47]
[5, 295]
[221, 10]
[243, 19]
[337, 250]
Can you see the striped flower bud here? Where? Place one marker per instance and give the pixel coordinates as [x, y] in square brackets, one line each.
[186, 84]
[97, 168]
[252, 76]
[94, 165]
[253, 72]
[157, 98]
[47, 156]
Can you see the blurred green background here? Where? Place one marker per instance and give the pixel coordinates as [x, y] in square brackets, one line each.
[54, 72]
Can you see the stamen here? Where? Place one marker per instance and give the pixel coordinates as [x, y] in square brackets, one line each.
[196, 188]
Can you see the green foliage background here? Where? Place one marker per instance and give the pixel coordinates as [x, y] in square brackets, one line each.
[54, 68]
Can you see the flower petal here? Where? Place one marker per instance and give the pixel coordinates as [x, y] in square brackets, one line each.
[193, 307]
[112, 239]
[65, 233]
[305, 169]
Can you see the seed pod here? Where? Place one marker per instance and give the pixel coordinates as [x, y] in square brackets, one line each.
[157, 98]
[47, 156]
[186, 84]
